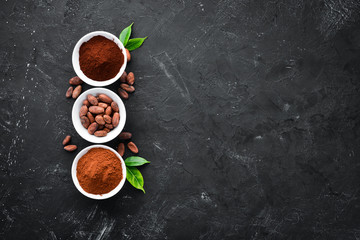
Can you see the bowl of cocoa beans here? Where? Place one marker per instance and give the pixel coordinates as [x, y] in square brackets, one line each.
[98, 115]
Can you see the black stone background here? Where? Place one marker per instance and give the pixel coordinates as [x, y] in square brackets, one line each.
[248, 111]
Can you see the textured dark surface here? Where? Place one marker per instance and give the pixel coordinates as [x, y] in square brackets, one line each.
[248, 111]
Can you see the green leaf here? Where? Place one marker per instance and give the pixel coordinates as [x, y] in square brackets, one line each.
[134, 43]
[135, 161]
[125, 35]
[133, 175]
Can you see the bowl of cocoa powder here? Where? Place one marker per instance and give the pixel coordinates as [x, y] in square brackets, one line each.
[98, 172]
[90, 115]
[99, 58]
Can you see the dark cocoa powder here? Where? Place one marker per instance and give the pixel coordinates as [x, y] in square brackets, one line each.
[100, 58]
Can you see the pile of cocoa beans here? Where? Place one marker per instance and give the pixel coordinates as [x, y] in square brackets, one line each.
[99, 114]
[67, 147]
[126, 137]
[71, 92]
[126, 85]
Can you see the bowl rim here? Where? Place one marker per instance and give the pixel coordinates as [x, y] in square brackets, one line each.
[76, 64]
[97, 196]
[80, 129]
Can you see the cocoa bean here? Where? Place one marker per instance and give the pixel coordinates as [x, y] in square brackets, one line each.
[107, 118]
[127, 87]
[121, 149]
[101, 127]
[76, 92]
[130, 79]
[132, 147]
[85, 121]
[100, 120]
[115, 119]
[92, 128]
[69, 92]
[96, 109]
[123, 94]
[123, 77]
[115, 107]
[70, 148]
[125, 136]
[83, 110]
[66, 140]
[93, 101]
[86, 102]
[101, 133]
[103, 105]
[128, 56]
[105, 98]
[107, 130]
[109, 126]
[75, 81]
[90, 117]
[108, 111]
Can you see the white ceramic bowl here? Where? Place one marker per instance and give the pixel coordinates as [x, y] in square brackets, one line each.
[76, 64]
[97, 196]
[83, 132]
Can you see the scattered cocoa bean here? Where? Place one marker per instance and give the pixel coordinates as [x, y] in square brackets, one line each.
[121, 149]
[127, 87]
[123, 77]
[130, 79]
[76, 92]
[115, 107]
[85, 121]
[125, 136]
[69, 91]
[83, 110]
[123, 94]
[75, 81]
[101, 133]
[105, 98]
[86, 102]
[103, 105]
[93, 101]
[90, 117]
[96, 109]
[100, 120]
[115, 119]
[107, 118]
[132, 147]
[128, 56]
[66, 140]
[108, 111]
[92, 128]
[70, 148]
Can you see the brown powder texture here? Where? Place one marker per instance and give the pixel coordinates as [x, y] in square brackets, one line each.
[100, 58]
[99, 171]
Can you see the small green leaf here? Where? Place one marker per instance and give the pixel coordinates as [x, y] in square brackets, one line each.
[134, 43]
[125, 35]
[133, 175]
[135, 161]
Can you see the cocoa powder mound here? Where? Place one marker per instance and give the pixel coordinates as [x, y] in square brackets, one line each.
[99, 171]
[100, 58]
